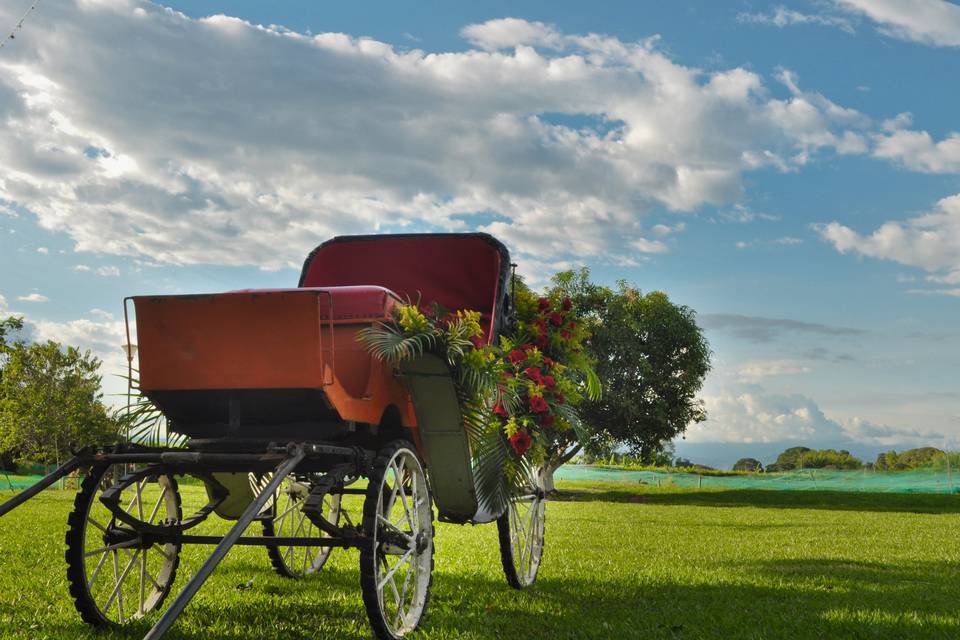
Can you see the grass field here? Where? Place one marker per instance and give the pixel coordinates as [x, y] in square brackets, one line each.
[620, 562]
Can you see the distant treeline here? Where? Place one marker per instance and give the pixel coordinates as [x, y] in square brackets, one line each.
[792, 459]
[806, 458]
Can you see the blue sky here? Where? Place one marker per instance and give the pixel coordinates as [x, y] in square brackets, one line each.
[789, 170]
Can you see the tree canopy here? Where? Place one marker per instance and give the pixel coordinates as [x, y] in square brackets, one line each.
[50, 400]
[651, 358]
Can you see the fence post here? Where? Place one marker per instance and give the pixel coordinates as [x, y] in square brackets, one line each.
[699, 481]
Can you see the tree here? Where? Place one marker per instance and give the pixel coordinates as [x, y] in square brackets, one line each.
[790, 459]
[748, 464]
[651, 358]
[50, 400]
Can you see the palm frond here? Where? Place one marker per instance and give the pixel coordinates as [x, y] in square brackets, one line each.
[387, 344]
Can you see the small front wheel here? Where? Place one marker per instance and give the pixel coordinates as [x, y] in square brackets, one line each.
[396, 566]
[521, 530]
[288, 519]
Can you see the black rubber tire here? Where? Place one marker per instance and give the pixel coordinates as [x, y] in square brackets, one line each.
[368, 555]
[76, 571]
[506, 551]
[276, 556]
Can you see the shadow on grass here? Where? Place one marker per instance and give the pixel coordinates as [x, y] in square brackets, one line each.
[766, 498]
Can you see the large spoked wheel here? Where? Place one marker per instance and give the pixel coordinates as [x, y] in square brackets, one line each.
[521, 531]
[396, 569]
[290, 521]
[115, 576]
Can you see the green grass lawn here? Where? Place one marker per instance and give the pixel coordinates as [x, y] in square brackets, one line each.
[620, 562]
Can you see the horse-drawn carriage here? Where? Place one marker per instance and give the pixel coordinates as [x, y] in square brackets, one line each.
[287, 413]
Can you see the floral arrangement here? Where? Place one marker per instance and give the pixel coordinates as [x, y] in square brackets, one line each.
[517, 396]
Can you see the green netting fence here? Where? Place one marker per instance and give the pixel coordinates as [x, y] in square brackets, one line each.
[914, 481]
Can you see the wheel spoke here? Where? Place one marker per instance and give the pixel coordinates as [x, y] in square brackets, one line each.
[156, 507]
[393, 570]
[112, 547]
[96, 571]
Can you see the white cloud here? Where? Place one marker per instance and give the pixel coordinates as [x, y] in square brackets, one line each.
[3, 304]
[934, 22]
[781, 17]
[930, 241]
[33, 297]
[43, 250]
[80, 268]
[277, 140]
[936, 292]
[758, 369]
[748, 414]
[648, 246]
[917, 150]
[108, 271]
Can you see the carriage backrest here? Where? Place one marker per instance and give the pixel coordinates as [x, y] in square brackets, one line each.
[455, 270]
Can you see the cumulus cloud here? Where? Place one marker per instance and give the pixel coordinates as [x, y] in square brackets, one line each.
[930, 241]
[33, 297]
[108, 271]
[187, 141]
[782, 17]
[748, 414]
[933, 22]
[761, 330]
[917, 150]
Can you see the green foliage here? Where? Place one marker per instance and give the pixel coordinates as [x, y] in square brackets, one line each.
[911, 459]
[50, 401]
[748, 464]
[651, 358]
[807, 458]
[143, 423]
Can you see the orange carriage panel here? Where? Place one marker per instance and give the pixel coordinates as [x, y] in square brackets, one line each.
[271, 339]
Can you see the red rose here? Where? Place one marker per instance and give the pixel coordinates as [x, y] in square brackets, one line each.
[565, 334]
[534, 374]
[560, 398]
[500, 410]
[507, 374]
[544, 304]
[477, 342]
[547, 361]
[572, 325]
[528, 346]
[567, 304]
[542, 341]
[517, 356]
[539, 405]
[556, 319]
[549, 382]
[540, 324]
[547, 420]
[520, 441]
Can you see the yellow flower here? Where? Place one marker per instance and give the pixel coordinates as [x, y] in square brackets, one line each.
[471, 319]
[510, 427]
[412, 320]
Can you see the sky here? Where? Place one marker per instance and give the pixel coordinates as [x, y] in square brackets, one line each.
[790, 171]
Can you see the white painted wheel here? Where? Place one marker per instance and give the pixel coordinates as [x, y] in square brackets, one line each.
[396, 568]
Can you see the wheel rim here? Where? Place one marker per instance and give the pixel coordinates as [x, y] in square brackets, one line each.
[526, 516]
[124, 578]
[403, 541]
[291, 521]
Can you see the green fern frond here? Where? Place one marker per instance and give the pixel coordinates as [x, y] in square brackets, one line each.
[389, 345]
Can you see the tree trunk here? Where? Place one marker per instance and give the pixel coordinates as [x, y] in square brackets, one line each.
[548, 483]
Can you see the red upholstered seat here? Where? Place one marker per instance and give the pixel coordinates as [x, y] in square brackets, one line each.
[457, 271]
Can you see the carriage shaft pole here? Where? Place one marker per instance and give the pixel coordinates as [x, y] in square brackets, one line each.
[253, 510]
[14, 502]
